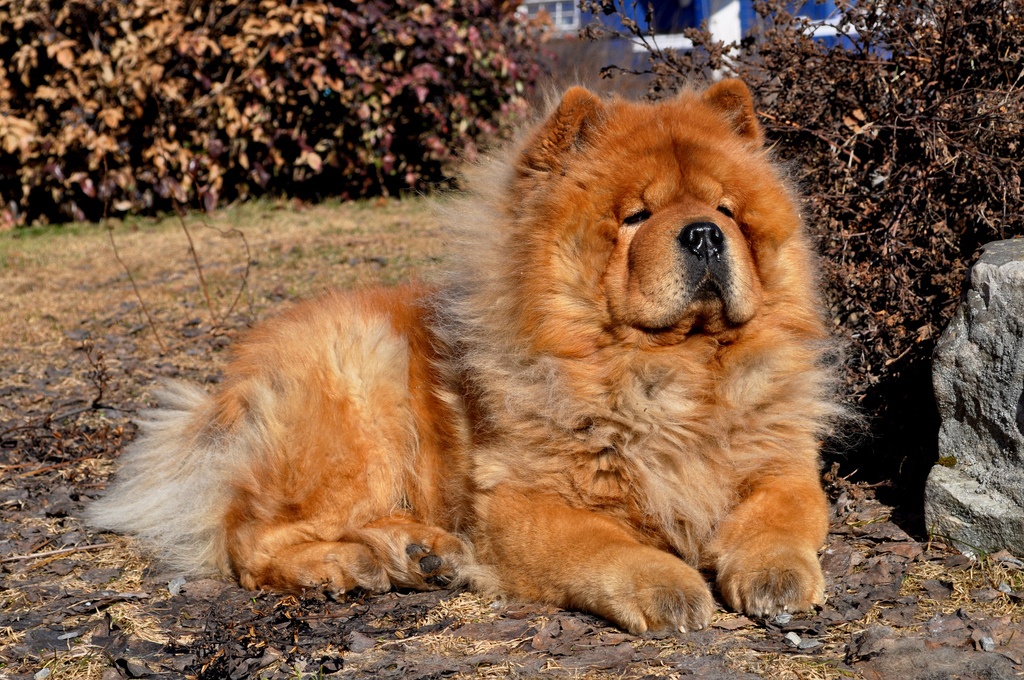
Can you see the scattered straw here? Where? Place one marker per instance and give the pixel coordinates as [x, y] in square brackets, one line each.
[466, 607]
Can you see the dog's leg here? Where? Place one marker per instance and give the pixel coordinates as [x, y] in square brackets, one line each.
[390, 552]
[766, 551]
[334, 566]
[545, 550]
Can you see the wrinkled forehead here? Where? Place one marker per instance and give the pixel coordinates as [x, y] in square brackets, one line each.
[674, 142]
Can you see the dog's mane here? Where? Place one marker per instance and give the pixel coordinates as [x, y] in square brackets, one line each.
[528, 397]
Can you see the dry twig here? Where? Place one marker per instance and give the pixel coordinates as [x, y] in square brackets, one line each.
[61, 551]
[179, 210]
[135, 287]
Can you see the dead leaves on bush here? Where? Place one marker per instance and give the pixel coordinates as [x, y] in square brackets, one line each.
[904, 130]
[109, 103]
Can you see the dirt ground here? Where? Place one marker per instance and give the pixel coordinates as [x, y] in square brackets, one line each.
[78, 355]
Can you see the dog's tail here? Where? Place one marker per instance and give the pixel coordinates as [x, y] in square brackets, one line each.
[172, 490]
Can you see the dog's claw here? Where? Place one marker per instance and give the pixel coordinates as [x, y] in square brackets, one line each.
[440, 580]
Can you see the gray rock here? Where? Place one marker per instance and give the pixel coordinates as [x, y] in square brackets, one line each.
[975, 495]
[976, 517]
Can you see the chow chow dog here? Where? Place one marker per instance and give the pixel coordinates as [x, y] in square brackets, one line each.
[618, 383]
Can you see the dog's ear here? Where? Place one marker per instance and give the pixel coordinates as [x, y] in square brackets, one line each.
[567, 128]
[731, 99]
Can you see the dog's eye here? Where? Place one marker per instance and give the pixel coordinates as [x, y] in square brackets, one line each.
[637, 218]
[725, 211]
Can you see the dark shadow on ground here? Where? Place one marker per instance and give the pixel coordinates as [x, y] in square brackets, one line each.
[894, 449]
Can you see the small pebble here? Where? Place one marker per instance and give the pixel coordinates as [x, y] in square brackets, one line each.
[43, 673]
[1004, 588]
[793, 639]
[782, 619]
[67, 636]
[174, 587]
[809, 644]
[987, 644]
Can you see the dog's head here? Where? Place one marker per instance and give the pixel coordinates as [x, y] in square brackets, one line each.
[650, 221]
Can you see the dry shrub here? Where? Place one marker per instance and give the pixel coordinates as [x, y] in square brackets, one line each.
[907, 137]
[141, 104]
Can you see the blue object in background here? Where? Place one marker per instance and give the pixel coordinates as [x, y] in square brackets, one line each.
[728, 19]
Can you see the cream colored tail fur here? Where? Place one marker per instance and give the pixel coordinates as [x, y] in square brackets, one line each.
[170, 491]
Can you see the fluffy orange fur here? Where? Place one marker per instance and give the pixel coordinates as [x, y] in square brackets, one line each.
[618, 384]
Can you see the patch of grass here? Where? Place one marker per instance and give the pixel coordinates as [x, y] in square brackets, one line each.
[76, 664]
[467, 607]
[66, 280]
[453, 645]
[985, 572]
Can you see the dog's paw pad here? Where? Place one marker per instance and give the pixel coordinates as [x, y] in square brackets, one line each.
[414, 550]
[430, 564]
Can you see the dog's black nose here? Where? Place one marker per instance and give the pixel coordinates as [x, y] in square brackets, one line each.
[703, 239]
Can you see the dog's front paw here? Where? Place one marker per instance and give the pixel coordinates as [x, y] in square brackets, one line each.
[656, 591]
[764, 585]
